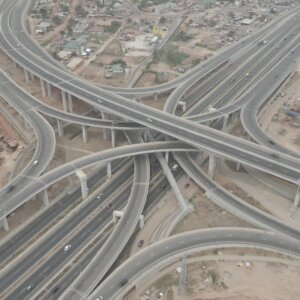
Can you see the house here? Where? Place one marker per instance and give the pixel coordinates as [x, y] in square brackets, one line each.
[59, 42]
[81, 26]
[116, 69]
[74, 46]
[43, 26]
[64, 55]
[164, 7]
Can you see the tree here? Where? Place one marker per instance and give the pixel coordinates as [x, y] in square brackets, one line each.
[56, 20]
[44, 13]
[231, 15]
[62, 32]
[162, 20]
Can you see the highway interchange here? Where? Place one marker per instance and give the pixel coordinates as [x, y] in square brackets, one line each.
[270, 73]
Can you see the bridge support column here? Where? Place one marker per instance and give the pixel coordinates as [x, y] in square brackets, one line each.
[238, 166]
[27, 125]
[142, 221]
[145, 135]
[84, 134]
[113, 138]
[225, 122]
[83, 183]
[45, 198]
[211, 166]
[70, 101]
[183, 105]
[106, 131]
[43, 88]
[48, 89]
[60, 127]
[297, 196]
[155, 97]
[4, 224]
[64, 100]
[167, 157]
[26, 73]
[108, 170]
[31, 76]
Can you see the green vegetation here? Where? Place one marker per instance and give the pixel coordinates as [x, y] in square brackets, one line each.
[145, 3]
[80, 12]
[44, 13]
[181, 36]
[119, 62]
[170, 55]
[114, 26]
[56, 20]
[162, 20]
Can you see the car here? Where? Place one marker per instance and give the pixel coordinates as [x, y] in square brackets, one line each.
[271, 142]
[275, 155]
[18, 45]
[29, 288]
[149, 120]
[99, 101]
[10, 188]
[175, 167]
[109, 206]
[67, 247]
[99, 298]
[99, 196]
[141, 243]
[35, 163]
[56, 288]
[232, 80]
[123, 282]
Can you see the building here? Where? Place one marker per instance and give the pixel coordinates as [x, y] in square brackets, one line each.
[81, 26]
[64, 55]
[74, 46]
[74, 63]
[164, 7]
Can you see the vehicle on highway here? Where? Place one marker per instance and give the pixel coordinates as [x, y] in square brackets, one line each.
[56, 288]
[99, 298]
[109, 206]
[149, 120]
[175, 167]
[123, 282]
[271, 142]
[99, 196]
[10, 188]
[276, 155]
[29, 288]
[67, 247]
[141, 243]
[35, 163]
[99, 101]
[232, 80]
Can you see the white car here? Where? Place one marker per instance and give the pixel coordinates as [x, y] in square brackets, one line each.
[149, 120]
[99, 298]
[99, 196]
[67, 247]
[35, 163]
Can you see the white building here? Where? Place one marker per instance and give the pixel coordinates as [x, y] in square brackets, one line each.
[164, 7]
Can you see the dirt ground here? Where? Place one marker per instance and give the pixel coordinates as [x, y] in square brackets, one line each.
[231, 277]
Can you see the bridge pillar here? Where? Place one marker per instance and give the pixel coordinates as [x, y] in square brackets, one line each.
[4, 224]
[84, 134]
[83, 183]
[211, 166]
[155, 97]
[27, 125]
[142, 221]
[167, 157]
[70, 101]
[145, 135]
[183, 105]
[297, 197]
[60, 127]
[225, 122]
[113, 138]
[108, 170]
[48, 89]
[26, 73]
[45, 198]
[106, 131]
[31, 76]
[43, 87]
[238, 166]
[64, 100]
